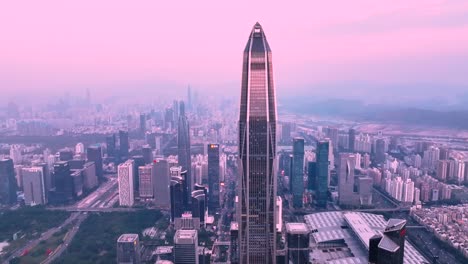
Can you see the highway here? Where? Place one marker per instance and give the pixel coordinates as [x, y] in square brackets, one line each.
[44, 236]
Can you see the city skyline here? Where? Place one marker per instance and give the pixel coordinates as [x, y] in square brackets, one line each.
[374, 48]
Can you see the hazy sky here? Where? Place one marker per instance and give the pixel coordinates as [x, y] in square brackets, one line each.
[323, 47]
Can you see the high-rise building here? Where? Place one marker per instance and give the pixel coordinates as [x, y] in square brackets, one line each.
[90, 179]
[94, 154]
[312, 176]
[389, 247]
[8, 184]
[65, 155]
[257, 153]
[177, 197]
[323, 172]
[442, 170]
[146, 181]
[380, 151]
[63, 192]
[352, 139]
[162, 197]
[183, 148]
[79, 148]
[332, 134]
[213, 177]
[34, 186]
[126, 175]
[111, 145]
[186, 247]
[199, 207]
[128, 249]
[366, 161]
[346, 194]
[138, 162]
[142, 124]
[297, 175]
[297, 243]
[147, 154]
[124, 144]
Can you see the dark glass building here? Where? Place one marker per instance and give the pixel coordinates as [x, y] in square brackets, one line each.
[147, 154]
[199, 205]
[380, 151]
[124, 144]
[94, 154]
[323, 172]
[297, 175]
[297, 243]
[63, 192]
[213, 177]
[142, 124]
[312, 176]
[65, 155]
[257, 153]
[128, 249]
[183, 147]
[110, 145]
[8, 185]
[389, 248]
[177, 197]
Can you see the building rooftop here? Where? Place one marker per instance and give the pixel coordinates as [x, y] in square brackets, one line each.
[185, 236]
[128, 238]
[350, 233]
[297, 228]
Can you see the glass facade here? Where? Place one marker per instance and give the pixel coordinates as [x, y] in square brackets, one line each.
[323, 172]
[257, 153]
[297, 175]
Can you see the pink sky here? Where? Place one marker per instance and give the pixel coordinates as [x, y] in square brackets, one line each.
[55, 45]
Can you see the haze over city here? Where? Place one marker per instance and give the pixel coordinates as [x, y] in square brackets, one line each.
[203, 132]
[367, 50]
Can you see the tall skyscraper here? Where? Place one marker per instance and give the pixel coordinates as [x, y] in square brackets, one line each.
[161, 183]
[380, 151]
[128, 249]
[8, 185]
[298, 243]
[126, 173]
[146, 181]
[323, 172]
[297, 175]
[124, 144]
[147, 154]
[142, 123]
[352, 139]
[346, 194]
[213, 176]
[34, 186]
[63, 192]
[110, 145]
[257, 152]
[94, 154]
[186, 247]
[177, 197]
[183, 148]
[312, 176]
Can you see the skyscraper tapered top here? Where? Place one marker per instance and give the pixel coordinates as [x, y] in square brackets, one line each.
[257, 152]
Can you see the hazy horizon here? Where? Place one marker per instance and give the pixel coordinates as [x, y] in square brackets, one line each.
[390, 53]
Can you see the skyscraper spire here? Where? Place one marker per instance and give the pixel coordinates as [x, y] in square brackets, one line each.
[257, 152]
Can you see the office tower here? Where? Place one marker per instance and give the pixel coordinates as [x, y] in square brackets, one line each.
[234, 236]
[183, 147]
[346, 194]
[8, 184]
[333, 135]
[323, 172]
[65, 155]
[189, 99]
[146, 181]
[297, 175]
[312, 176]
[176, 171]
[147, 154]
[142, 124]
[150, 139]
[365, 190]
[162, 196]
[94, 154]
[46, 170]
[138, 162]
[352, 139]
[257, 153]
[111, 145]
[213, 177]
[389, 247]
[79, 148]
[177, 197]
[169, 119]
[199, 204]
[186, 247]
[33, 186]
[128, 249]
[286, 132]
[380, 151]
[77, 183]
[175, 109]
[124, 144]
[297, 243]
[126, 175]
[366, 161]
[63, 192]
[90, 179]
